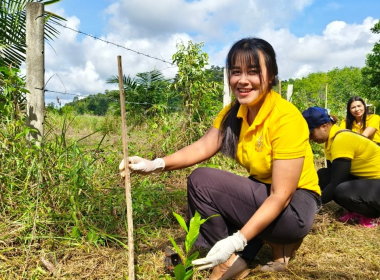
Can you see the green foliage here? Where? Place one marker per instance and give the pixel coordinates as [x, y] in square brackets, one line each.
[201, 97]
[341, 85]
[147, 94]
[12, 94]
[184, 271]
[13, 30]
[371, 71]
[215, 74]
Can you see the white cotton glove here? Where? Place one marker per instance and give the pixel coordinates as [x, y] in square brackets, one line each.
[143, 166]
[222, 251]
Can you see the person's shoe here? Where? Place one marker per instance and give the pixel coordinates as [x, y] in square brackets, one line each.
[349, 217]
[274, 267]
[238, 270]
[281, 255]
[369, 222]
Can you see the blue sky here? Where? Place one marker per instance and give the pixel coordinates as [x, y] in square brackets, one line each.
[307, 35]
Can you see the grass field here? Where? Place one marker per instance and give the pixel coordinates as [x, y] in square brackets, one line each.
[62, 209]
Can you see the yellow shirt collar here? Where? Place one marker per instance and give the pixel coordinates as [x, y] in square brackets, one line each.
[266, 108]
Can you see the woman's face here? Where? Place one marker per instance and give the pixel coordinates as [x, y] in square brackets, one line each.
[320, 134]
[245, 81]
[357, 109]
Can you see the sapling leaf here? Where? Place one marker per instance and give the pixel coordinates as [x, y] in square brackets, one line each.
[191, 258]
[188, 274]
[195, 224]
[179, 272]
[176, 248]
[181, 221]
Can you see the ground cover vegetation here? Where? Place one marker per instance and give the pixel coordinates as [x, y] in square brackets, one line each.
[62, 204]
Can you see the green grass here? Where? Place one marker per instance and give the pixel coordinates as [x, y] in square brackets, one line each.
[63, 214]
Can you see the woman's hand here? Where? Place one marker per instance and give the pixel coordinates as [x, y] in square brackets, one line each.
[222, 251]
[143, 166]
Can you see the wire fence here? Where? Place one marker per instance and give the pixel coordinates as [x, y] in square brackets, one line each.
[112, 43]
[117, 45]
[116, 100]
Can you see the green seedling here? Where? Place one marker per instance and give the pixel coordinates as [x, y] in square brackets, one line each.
[184, 270]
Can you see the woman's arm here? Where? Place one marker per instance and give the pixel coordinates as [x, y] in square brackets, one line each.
[285, 177]
[369, 131]
[372, 125]
[340, 172]
[207, 146]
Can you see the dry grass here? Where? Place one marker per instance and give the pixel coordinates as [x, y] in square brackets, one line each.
[332, 250]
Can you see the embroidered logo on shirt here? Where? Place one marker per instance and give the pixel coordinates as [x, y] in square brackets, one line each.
[259, 144]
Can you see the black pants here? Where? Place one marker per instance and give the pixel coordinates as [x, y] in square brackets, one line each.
[236, 199]
[361, 196]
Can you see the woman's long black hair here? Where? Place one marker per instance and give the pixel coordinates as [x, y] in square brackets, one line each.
[245, 51]
[350, 118]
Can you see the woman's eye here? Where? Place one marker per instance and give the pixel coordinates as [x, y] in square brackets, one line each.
[253, 72]
[235, 72]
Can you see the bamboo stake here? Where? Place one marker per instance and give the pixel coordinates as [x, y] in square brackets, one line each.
[131, 265]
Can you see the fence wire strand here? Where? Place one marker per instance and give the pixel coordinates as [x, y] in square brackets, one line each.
[108, 42]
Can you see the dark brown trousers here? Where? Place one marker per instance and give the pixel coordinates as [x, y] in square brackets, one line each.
[236, 199]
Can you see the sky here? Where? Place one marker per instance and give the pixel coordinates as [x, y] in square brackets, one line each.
[308, 36]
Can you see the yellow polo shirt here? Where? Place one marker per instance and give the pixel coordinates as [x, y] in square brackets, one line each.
[278, 132]
[334, 129]
[365, 154]
[371, 121]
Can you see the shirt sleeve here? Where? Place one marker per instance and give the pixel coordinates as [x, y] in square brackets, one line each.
[373, 121]
[290, 136]
[218, 120]
[343, 124]
[343, 146]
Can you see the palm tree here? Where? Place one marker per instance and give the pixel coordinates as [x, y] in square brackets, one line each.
[13, 29]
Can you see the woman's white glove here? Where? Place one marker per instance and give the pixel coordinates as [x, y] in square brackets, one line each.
[143, 166]
[222, 251]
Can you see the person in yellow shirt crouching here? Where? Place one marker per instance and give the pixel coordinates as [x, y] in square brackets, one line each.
[359, 121]
[268, 136]
[353, 179]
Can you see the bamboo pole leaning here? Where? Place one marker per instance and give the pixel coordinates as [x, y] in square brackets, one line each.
[128, 197]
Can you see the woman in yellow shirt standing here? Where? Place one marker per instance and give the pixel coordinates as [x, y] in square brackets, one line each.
[268, 136]
[353, 179]
[359, 121]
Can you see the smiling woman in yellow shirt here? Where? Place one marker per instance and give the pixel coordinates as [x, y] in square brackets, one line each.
[359, 121]
[268, 136]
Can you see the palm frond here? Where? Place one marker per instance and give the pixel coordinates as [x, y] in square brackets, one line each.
[13, 29]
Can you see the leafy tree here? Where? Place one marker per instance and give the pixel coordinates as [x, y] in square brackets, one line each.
[309, 91]
[341, 85]
[148, 93]
[13, 29]
[201, 99]
[371, 72]
[215, 74]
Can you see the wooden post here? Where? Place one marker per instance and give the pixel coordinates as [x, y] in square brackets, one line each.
[35, 71]
[289, 92]
[128, 197]
[226, 89]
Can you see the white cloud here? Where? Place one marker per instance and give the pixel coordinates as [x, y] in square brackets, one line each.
[154, 27]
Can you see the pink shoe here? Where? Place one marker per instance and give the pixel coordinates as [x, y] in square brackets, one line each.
[349, 217]
[369, 222]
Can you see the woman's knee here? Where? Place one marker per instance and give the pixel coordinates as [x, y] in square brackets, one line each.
[343, 193]
[196, 176]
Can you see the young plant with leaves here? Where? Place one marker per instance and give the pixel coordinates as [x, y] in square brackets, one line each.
[184, 271]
